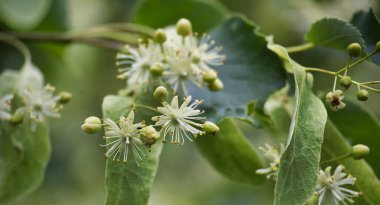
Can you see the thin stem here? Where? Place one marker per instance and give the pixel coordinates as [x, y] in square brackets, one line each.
[299, 48]
[335, 79]
[348, 64]
[358, 61]
[146, 107]
[370, 82]
[336, 158]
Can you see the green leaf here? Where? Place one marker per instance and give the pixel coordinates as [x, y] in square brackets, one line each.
[231, 154]
[23, 15]
[23, 159]
[360, 127]
[161, 13]
[335, 145]
[251, 72]
[368, 24]
[299, 164]
[128, 183]
[334, 33]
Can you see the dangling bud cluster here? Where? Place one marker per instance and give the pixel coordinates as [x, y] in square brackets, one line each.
[179, 58]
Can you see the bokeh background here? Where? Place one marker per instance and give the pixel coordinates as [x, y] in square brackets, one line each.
[75, 174]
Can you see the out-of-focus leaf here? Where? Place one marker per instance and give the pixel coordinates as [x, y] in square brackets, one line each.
[231, 154]
[8, 80]
[251, 72]
[299, 164]
[23, 15]
[360, 127]
[369, 26]
[334, 33]
[128, 183]
[23, 158]
[161, 13]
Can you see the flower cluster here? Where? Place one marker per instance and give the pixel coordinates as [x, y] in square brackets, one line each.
[178, 57]
[273, 155]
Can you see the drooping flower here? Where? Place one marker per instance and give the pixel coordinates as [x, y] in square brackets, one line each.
[335, 100]
[41, 104]
[273, 155]
[178, 122]
[124, 138]
[5, 107]
[330, 187]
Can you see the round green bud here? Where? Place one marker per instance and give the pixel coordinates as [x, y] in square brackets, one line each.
[209, 76]
[359, 151]
[157, 69]
[64, 97]
[378, 46]
[161, 93]
[216, 85]
[345, 81]
[362, 95]
[210, 127]
[149, 135]
[354, 49]
[92, 125]
[16, 119]
[184, 27]
[160, 36]
[313, 200]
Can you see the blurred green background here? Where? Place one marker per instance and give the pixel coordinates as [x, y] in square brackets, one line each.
[75, 174]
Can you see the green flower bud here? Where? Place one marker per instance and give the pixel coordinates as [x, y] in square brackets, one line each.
[149, 135]
[345, 81]
[92, 125]
[184, 27]
[17, 117]
[378, 46]
[157, 69]
[210, 127]
[64, 97]
[209, 76]
[359, 151]
[161, 93]
[160, 36]
[313, 200]
[216, 85]
[362, 95]
[354, 49]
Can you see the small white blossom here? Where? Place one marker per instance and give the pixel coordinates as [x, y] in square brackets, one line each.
[273, 155]
[5, 107]
[124, 138]
[41, 104]
[335, 100]
[179, 121]
[134, 65]
[330, 187]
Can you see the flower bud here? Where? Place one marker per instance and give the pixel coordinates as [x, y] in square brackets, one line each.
[345, 81]
[362, 95]
[209, 76]
[354, 49]
[149, 135]
[64, 97]
[160, 36]
[210, 127]
[184, 27]
[17, 117]
[378, 46]
[313, 200]
[157, 69]
[92, 125]
[359, 151]
[216, 85]
[161, 93]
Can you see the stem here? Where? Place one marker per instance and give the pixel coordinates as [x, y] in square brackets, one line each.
[370, 82]
[146, 107]
[336, 158]
[299, 48]
[348, 64]
[357, 62]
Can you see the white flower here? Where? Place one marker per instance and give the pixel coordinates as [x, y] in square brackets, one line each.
[179, 121]
[41, 104]
[123, 138]
[5, 107]
[273, 155]
[335, 100]
[330, 188]
[135, 64]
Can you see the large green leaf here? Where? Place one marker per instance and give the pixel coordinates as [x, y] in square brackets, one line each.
[299, 164]
[333, 33]
[231, 154]
[334, 146]
[360, 127]
[161, 13]
[23, 158]
[251, 71]
[368, 24]
[128, 183]
[23, 15]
